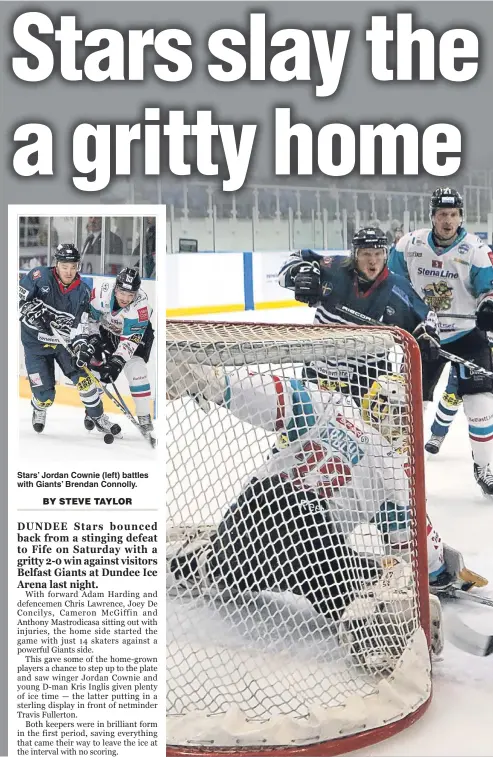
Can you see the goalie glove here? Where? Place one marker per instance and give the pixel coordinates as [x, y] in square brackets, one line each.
[484, 313]
[427, 335]
[307, 284]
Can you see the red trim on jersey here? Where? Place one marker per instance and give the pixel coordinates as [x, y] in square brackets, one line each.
[281, 402]
[63, 288]
[381, 277]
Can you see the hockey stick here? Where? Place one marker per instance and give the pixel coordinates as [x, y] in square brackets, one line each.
[473, 367]
[454, 593]
[146, 434]
[120, 405]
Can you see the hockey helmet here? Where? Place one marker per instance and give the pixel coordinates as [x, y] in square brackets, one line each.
[368, 238]
[445, 197]
[67, 253]
[128, 280]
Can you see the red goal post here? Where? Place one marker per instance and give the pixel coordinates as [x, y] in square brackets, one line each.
[232, 687]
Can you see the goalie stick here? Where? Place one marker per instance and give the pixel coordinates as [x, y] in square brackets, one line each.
[120, 404]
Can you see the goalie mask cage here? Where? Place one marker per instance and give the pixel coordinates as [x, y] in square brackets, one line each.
[262, 670]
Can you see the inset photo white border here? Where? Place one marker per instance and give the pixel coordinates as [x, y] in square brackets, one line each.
[16, 449]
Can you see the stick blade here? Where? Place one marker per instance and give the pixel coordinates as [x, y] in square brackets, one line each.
[466, 638]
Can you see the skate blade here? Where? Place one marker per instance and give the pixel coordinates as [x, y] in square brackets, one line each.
[472, 578]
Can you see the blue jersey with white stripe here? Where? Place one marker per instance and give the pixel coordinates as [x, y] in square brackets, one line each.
[449, 279]
[390, 299]
[65, 304]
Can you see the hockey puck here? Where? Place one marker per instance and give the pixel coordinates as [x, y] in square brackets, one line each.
[108, 438]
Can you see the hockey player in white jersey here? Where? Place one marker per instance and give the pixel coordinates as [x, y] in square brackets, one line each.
[118, 337]
[452, 270]
[297, 524]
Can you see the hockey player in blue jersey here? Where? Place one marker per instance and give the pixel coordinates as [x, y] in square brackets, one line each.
[452, 270]
[362, 283]
[56, 298]
[119, 337]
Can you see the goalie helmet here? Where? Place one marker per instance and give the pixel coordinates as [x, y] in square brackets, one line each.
[67, 253]
[384, 407]
[128, 280]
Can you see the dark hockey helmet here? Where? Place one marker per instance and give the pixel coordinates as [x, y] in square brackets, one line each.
[445, 197]
[368, 238]
[67, 253]
[128, 280]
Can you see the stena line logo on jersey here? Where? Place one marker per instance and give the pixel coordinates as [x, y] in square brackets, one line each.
[341, 442]
[437, 273]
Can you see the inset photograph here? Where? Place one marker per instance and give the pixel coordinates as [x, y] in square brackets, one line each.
[87, 330]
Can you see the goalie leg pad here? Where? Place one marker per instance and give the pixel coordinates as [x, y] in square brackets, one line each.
[202, 382]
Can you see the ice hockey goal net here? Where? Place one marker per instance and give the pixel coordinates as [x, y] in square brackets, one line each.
[258, 660]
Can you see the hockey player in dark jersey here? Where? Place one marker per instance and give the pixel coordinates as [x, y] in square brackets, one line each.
[362, 283]
[53, 299]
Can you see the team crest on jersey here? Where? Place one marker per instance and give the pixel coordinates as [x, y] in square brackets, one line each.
[327, 289]
[463, 248]
[438, 296]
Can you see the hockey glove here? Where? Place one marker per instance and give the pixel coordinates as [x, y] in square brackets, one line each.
[112, 369]
[84, 348]
[428, 339]
[307, 284]
[484, 314]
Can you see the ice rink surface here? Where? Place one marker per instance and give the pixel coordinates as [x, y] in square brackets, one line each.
[65, 437]
[458, 722]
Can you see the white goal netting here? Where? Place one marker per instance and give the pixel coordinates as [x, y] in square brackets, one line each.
[296, 536]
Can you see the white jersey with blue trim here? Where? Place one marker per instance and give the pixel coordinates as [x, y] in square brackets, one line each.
[126, 325]
[452, 278]
[323, 446]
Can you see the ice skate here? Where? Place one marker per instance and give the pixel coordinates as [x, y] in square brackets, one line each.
[484, 477]
[38, 419]
[433, 444]
[105, 426]
[145, 423]
[88, 422]
[147, 428]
